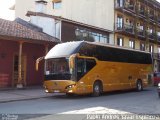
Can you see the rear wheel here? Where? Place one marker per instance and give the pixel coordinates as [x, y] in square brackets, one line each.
[159, 94]
[97, 89]
[139, 86]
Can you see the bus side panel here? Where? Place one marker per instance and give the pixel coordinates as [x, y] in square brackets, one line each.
[115, 76]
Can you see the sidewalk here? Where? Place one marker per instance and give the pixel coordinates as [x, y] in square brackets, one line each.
[10, 95]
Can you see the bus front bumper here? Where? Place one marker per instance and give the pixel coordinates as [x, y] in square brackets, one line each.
[60, 86]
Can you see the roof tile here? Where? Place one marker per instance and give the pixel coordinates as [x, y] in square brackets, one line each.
[14, 29]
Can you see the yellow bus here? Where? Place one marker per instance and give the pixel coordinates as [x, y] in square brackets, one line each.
[92, 68]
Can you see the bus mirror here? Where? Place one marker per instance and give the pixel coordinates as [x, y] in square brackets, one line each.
[37, 62]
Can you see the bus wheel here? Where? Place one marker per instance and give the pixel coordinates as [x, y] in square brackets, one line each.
[159, 95]
[139, 86]
[97, 87]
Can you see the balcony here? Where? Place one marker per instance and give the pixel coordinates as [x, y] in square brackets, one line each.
[158, 38]
[151, 36]
[125, 28]
[124, 5]
[151, 14]
[156, 55]
[158, 19]
[129, 6]
[141, 12]
[140, 32]
[141, 9]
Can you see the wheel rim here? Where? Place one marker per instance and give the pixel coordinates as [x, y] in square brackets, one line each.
[97, 89]
[139, 86]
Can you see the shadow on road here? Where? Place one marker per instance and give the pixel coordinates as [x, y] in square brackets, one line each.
[113, 93]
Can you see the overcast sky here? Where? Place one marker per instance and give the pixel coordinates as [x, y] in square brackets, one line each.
[5, 13]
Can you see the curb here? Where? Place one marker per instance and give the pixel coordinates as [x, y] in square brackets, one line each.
[25, 88]
[22, 99]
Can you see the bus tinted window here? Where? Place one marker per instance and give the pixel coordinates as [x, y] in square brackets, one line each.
[90, 64]
[84, 66]
[114, 54]
[57, 68]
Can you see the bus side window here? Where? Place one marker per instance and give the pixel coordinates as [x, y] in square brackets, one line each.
[84, 66]
[80, 68]
[90, 64]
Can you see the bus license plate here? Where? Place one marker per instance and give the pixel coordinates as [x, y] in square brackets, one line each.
[56, 91]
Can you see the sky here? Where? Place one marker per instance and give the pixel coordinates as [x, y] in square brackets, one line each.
[5, 13]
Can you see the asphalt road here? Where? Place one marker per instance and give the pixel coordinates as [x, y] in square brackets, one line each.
[145, 102]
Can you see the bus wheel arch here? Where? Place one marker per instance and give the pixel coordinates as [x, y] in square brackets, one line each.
[97, 88]
[139, 85]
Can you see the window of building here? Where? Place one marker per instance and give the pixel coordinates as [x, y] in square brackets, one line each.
[100, 37]
[103, 39]
[151, 48]
[57, 4]
[142, 46]
[120, 3]
[119, 41]
[149, 30]
[132, 44]
[57, 29]
[119, 22]
[88, 35]
[141, 27]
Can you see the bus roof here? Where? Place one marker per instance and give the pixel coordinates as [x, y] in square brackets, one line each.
[69, 48]
[117, 47]
[63, 49]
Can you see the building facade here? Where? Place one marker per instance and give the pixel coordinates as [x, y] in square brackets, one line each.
[137, 26]
[21, 8]
[68, 30]
[20, 45]
[136, 23]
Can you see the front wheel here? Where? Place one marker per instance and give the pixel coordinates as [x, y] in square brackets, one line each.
[139, 86]
[96, 89]
[159, 94]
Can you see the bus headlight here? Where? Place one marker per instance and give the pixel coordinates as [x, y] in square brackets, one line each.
[46, 91]
[159, 85]
[70, 86]
[70, 91]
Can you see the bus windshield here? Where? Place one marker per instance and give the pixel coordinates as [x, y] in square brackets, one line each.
[57, 68]
[63, 50]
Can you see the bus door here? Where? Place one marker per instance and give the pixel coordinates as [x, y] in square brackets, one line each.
[84, 66]
[84, 76]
